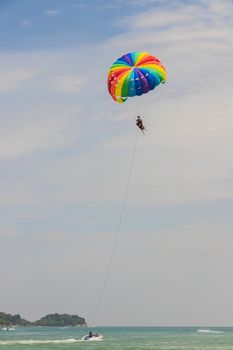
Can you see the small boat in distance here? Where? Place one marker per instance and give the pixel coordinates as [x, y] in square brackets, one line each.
[10, 328]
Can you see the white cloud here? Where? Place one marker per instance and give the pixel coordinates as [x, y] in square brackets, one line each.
[39, 133]
[185, 154]
[52, 13]
[14, 79]
[78, 5]
[27, 24]
[69, 84]
[198, 114]
[132, 3]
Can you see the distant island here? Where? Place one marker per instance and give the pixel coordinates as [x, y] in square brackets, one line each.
[50, 320]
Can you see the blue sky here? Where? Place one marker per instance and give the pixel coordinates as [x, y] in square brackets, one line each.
[54, 24]
[65, 150]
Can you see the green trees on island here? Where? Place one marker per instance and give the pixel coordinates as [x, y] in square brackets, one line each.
[12, 320]
[51, 320]
[61, 320]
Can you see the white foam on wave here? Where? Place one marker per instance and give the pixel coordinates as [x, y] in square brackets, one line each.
[208, 331]
[34, 341]
[92, 339]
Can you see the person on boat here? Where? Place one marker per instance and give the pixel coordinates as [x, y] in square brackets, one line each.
[90, 334]
[139, 124]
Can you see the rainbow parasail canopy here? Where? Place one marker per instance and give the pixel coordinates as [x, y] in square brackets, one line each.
[135, 73]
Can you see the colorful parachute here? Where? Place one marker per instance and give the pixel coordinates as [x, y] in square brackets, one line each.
[135, 73]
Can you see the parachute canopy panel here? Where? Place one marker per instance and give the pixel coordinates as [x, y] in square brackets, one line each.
[134, 74]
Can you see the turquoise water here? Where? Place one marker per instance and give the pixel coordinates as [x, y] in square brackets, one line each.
[116, 338]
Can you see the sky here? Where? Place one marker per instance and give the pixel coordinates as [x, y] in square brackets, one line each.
[65, 154]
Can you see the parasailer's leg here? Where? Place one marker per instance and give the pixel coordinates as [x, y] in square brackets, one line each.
[141, 127]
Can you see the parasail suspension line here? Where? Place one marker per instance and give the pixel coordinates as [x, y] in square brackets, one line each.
[116, 236]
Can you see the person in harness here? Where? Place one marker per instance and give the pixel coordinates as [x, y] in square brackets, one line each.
[139, 124]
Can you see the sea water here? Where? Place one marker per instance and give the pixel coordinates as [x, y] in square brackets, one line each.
[117, 338]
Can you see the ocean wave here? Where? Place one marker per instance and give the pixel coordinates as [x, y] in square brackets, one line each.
[34, 341]
[208, 331]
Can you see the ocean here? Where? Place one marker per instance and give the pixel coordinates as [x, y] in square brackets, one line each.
[117, 338]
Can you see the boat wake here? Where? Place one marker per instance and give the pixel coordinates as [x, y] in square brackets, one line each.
[34, 341]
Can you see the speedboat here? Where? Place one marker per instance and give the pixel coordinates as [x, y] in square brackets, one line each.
[93, 337]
